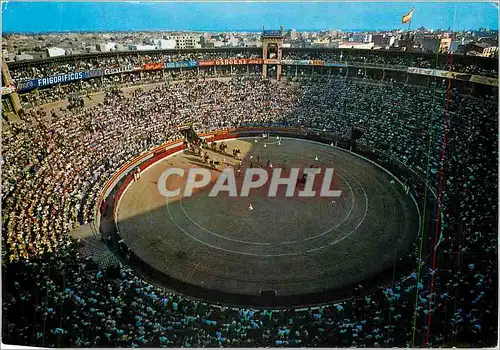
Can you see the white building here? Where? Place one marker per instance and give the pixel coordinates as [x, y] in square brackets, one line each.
[362, 38]
[55, 51]
[321, 43]
[74, 52]
[142, 47]
[233, 41]
[383, 40]
[163, 44]
[23, 57]
[106, 47]
[334, 33]
[482, 49]
[353, 45]
[218, 43]
[6, 55]
[121, 47]
[185, 41]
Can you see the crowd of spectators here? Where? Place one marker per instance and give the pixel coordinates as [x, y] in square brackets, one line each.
[127, 61]
[85, 87]
[21, 73]
[43, 70]
[54, 165]
[395, 60]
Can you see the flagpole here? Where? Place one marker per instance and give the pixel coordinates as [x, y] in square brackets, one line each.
[409, 23]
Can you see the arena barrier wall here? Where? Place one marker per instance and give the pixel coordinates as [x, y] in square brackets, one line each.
[159, 152]
[143, 161]
[124, 177]
[148, 158]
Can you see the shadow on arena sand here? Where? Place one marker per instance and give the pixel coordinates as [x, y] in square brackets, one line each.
[281, 251]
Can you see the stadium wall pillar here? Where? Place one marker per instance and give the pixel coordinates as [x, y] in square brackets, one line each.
[16, 103]
[7, 81]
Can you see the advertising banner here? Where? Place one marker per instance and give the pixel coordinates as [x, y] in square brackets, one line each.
[484, 80]
[62, 78]
[8, 89]
[458, 76]
[443, 74]
[255, 61]
[53, 80]
[27, 85]
[422, 71]
[181, 64]
[335, 64]
[289, 62]
[271, 61]
[94, 73]
[430, 72]
[109, 71]
[448, 74]
[304, 62]
[317, 63]
[205, 63]
[455, 75]
[230, 61]
[154, 66]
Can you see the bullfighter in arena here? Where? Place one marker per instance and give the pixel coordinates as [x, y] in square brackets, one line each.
[137, 174]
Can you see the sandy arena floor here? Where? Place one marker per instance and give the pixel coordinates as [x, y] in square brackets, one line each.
[290, 245]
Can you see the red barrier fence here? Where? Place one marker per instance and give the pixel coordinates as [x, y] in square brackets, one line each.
[142, 167]
[167, 149]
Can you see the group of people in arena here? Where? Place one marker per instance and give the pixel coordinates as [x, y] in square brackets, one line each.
[55, 163]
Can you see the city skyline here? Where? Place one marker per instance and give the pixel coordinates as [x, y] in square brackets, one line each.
[22, 17]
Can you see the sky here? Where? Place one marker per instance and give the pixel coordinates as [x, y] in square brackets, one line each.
[36, 17]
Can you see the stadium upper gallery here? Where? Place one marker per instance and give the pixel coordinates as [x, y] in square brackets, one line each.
[274, 188]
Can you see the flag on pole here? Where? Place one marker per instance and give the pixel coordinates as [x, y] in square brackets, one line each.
[407, 18]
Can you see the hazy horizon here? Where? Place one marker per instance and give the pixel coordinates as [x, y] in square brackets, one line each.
[94, 17]
[256, 31]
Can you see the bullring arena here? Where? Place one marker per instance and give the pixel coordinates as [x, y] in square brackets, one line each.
[287, 246]
[412, 239]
